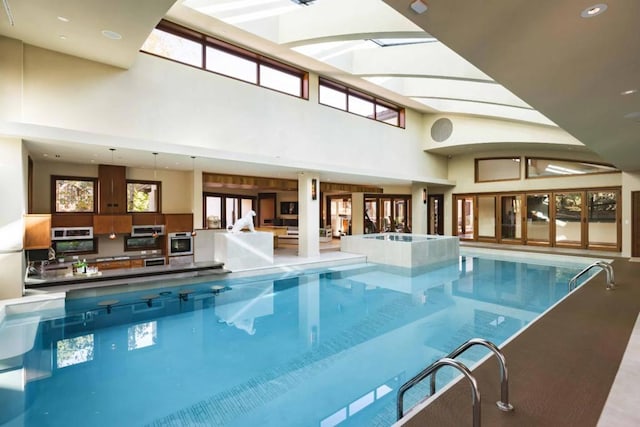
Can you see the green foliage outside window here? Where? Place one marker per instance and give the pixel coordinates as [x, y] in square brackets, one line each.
[142, 197]
[74, 195]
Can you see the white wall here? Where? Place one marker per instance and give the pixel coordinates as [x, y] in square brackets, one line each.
[162, 102]
[10, 79]
[468, 130]
[13, 175]
[630, 182]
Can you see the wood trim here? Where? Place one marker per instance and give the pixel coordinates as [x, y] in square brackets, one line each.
[635, 224]
[277, 184]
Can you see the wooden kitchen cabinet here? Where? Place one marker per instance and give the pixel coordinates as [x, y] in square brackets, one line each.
[136, 263]
[112, 189]
[175, 223]
[37, 231]
[72, 220]
[113, 265]
[105, 224]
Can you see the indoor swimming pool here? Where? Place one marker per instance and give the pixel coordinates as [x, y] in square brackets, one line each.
[315, 348]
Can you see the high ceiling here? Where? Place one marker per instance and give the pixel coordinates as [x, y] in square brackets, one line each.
[576, 70]
[552, 65]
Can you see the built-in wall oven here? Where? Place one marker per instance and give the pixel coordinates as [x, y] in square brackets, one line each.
[180, 244]
[73, 240]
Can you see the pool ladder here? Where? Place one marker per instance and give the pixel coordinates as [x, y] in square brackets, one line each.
[448, 360]
[604, 266]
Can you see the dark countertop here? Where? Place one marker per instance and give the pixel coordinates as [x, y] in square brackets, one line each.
[200, 268]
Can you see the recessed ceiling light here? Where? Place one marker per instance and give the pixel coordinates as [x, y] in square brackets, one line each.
[594, 10]
[419, 7]
[628, 92]
[63, 19]
[111, 35]
[62, 37]
[45, 155]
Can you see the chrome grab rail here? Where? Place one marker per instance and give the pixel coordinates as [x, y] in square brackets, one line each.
[433, 368]
[503, 404]
[611, 284]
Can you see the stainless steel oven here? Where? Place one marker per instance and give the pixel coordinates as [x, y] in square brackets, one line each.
[180, 244]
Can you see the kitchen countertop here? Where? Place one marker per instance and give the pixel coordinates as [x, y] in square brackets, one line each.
[199, 268]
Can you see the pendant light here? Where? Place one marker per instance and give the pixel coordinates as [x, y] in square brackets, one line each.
[155, 178]
[112, 235]
[193, 170]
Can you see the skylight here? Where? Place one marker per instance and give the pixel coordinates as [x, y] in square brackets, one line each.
[403, 41]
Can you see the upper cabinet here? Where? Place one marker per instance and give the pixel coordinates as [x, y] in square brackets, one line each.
[178, 222]
[107, 224]
[112, 190]
[37, 231]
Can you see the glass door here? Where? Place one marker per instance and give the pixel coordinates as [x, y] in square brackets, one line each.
[602, 219]
[386, 215]
[436, 214]
[400, 216]
[487, 218]
[538, 227]
[465, 220]
[569, 216]
[340, 214]
[371, 221]
[511, 218]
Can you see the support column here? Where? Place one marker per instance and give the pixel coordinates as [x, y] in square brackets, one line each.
[419, 218]
[13, 181]
[308, 215]
[357, 213]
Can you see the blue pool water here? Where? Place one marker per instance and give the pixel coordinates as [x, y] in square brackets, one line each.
[316, 349]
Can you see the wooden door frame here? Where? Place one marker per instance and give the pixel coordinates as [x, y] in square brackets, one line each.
[635, 223]
[440, 213]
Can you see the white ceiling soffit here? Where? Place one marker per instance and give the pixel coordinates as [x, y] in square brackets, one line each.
[78, 27]
[341, 33]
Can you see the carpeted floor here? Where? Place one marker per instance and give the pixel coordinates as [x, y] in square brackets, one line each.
[561, 368]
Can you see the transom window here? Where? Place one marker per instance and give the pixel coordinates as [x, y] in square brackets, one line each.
[541, 167]
[354, 101]
[498, 169]
[190, 47]
[143, 196]
[73, 194]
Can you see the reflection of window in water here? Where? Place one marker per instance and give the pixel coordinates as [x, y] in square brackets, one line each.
[142, 335]
[72, 351]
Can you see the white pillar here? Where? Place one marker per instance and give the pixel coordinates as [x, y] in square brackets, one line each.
[419, 219]
[357, 213]
[308, 215]
[13, 181]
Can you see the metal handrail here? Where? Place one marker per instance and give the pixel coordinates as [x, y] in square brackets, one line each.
[611, 284]
[433, 368]
[503, 404]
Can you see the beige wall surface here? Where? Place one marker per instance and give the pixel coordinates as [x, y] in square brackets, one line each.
[10, 79]
[177, 186]
[630, 182]
[162, 102]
